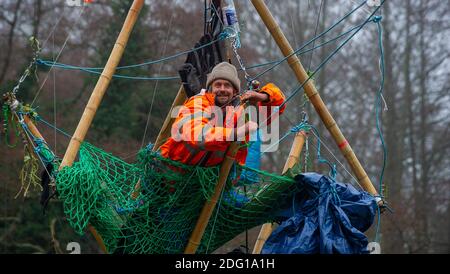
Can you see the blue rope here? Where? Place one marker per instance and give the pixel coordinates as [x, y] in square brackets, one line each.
[39, 119]
[312, 40]
[224, 35]
[301, 126]
[379, 99]
[333, 170]
[305, 126]
[328, 58]
[70, 67]
[377, 110]
[93, 70]
[38, 144]
[39, 61]
[301, 52]
[311, 75]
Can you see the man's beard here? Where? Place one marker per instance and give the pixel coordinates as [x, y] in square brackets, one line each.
[219, 104]
[232, 102]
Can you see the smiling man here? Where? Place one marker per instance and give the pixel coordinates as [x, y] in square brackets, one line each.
[208, 123]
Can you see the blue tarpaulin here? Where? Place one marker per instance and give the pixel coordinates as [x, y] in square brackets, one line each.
[325, 217]
[253, 159]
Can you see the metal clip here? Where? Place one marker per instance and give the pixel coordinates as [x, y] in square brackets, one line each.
[304, 117]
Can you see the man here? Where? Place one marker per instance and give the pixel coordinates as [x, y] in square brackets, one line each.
[201, 135]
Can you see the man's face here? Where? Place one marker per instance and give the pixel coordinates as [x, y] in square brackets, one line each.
[223, 91]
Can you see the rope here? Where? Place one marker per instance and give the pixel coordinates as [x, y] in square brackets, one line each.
[57, 57]
[7, 117]
[332, 167]
[44, 154]
[70, 67]
[39, 119]
[315, 33]
[312, 40]
[337, 160]
[321, 65]
[302, 126]
[300, 52]
[53, 29]
[215, 219]
[327, 59]
[377, 111]
[156, 84]
[93, 69]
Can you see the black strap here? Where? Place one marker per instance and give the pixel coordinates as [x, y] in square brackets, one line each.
[199, 63]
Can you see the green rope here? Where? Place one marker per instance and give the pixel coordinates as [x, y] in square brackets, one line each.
[9, 124]
[28, 174]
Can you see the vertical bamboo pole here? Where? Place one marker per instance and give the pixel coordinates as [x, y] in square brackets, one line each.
[314, 96]
[97, 95]
[293, 158]
[205, 215]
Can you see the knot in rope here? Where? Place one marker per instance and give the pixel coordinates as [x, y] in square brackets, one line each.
[302, 126]
[333, 171]
[227, 32]
[377, 18]
[334, 193]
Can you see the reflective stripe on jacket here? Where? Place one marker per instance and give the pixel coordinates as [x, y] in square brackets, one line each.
[197, 140]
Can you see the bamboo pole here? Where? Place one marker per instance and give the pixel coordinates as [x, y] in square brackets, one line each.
[296, 149]
[164, 132]
[293, 158]
[314, 96]
[33, 129]
[97, 95]
[102, 84]
[205, 215]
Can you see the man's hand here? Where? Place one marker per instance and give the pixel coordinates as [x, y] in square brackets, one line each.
[254, 97]
[246, 129]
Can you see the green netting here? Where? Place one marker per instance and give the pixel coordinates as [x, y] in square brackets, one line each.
[99, 188]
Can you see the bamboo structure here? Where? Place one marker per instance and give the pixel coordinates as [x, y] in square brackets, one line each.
[97, 95]
[102, 84]
[205, 215]
[164, 132]
[293, 158]
[33, 129]
[314, 96]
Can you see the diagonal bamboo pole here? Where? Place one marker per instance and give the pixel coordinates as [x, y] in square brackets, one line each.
[314, 96]
[102, 84]
[293, 158]
[98, 92]
[164, 132]
[208, 208]
[35, 132]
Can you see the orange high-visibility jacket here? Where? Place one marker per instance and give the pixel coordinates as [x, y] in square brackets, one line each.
[199, 141]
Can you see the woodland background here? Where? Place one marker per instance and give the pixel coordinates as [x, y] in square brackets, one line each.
[416, 125]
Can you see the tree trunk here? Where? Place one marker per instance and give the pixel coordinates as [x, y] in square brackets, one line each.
[9, 46]
[422, 200]
[394, 138]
